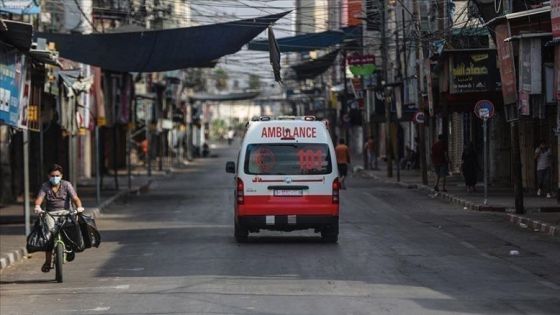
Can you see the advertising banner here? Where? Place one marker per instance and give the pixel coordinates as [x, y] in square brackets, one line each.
[530, 66]
[507, 64]
[12, 77]
[555, 18]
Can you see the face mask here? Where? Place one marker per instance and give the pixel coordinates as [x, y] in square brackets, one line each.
[55, 180]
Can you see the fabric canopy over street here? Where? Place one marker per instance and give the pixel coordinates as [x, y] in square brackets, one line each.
[302, 43]
[225, 97]
[308, 42]
[160, 50]
[313, 68]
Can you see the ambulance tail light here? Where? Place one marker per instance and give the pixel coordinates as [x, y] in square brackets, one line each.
[239, 195]
[335, 191]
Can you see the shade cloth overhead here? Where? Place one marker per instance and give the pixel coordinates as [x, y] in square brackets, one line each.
[274, 55]
[160, 50]
[311, 41]
[313, 68]
[300, 43]
[224, 97]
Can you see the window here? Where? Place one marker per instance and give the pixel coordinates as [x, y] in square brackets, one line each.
[287, 159]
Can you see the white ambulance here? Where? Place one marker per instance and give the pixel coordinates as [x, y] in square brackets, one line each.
[286, 178]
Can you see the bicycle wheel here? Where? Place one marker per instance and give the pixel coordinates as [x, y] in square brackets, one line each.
[59, 261]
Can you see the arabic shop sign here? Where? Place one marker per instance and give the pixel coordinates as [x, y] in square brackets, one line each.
[362, 65]
[473, 72]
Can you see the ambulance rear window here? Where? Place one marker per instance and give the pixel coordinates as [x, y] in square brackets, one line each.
[288, 159]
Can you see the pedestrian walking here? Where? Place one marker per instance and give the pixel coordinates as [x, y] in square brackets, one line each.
[371, 155]
[230, 136]
[342, 161]
[470, 167]
[440, 162]
[543, 157]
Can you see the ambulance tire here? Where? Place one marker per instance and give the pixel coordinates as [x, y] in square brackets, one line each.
[241, 233]
[330, 234]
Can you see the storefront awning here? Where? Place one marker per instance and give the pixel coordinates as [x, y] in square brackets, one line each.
[517, 15]
[160, 50]
[313, 68]
[528, 35]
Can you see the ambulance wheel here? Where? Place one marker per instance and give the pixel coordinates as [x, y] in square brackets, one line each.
[330, 234]
[241, 233]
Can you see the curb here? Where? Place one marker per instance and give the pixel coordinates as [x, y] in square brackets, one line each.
[533, 224]
[19, 254]
[12, 257]
[469, 205]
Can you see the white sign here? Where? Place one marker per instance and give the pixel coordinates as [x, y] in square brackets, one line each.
[419, 117]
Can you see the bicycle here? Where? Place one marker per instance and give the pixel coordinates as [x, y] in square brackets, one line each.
[60, 252]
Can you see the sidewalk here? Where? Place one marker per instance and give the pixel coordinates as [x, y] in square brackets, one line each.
[542, 214]
[12, 221]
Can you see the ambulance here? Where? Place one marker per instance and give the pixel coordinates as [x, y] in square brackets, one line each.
[286, 178]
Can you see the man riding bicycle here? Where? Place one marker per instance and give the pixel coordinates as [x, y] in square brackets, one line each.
[58, 195]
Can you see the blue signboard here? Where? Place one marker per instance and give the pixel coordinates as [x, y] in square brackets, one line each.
[20, 7]
[11, 79]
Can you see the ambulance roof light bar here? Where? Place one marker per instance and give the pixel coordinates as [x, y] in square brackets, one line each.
[260, 118]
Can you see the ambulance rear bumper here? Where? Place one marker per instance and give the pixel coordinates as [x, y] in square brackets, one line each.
[286, 222]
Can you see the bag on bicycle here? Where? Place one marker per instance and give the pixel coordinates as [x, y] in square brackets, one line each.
[90, 234]
[40, 238]
[72, 235]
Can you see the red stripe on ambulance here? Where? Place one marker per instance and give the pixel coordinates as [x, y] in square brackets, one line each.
[271, 205]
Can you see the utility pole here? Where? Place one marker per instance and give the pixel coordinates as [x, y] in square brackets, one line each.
[388, 145]
[421, 105]
[26, 199]
[516, 164]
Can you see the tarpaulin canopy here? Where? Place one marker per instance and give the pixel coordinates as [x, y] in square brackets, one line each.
[160, 50]
[313, 68]
[300, 43]
[311, 41]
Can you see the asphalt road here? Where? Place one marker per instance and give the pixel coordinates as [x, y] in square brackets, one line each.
[172, 251]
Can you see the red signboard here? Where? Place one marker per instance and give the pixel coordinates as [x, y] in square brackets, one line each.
[555, 18]
[354, 11]
[358, 59]
[507, 64]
